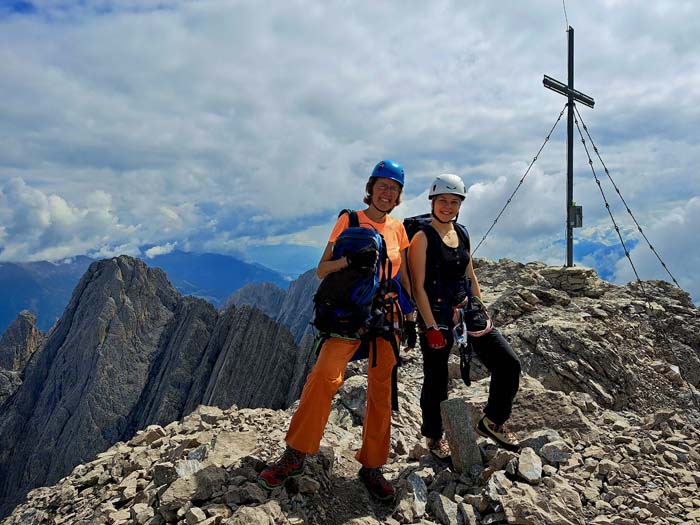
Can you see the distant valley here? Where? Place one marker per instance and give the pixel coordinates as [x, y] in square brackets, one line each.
[45, 288]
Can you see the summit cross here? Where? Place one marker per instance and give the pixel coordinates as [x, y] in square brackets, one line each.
[574, 214]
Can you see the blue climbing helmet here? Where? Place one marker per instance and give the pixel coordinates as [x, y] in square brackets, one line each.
[388, 169]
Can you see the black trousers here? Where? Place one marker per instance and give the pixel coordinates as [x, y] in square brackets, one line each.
[498, 357]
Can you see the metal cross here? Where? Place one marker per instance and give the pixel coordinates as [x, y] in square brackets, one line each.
[574, 214]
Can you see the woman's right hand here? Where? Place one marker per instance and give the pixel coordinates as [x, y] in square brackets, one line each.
[435, 338]
[363, 259]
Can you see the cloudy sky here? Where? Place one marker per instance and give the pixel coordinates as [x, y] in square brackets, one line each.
[143, 126]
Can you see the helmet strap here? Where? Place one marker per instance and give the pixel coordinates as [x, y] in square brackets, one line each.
[439, 219]
[432, 212]
[383, 212]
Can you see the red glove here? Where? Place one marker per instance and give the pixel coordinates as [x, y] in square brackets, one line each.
[435, 338]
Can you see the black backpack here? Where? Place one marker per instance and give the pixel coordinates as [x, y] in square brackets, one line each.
[420, 222]
[345, 301]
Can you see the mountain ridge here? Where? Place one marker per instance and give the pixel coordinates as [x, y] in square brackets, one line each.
[129, 351]
[45, 287]
[584, 344]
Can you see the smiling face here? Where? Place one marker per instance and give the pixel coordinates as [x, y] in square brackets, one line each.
[383, 194]
[446, 206]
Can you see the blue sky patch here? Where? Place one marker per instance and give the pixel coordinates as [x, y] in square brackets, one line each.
[602, 257]
[18, 7]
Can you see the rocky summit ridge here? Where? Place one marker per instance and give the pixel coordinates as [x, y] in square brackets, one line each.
[607, 414]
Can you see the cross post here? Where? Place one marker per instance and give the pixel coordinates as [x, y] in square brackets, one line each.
[574, 214]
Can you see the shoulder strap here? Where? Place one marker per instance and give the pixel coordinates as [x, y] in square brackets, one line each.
[432, 256]
[433, 239]
[354, 220]
[464, 235]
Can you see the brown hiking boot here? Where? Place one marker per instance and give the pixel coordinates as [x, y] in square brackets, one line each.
[376, 483]
[498, 433]
[290, 465]
[440, 449]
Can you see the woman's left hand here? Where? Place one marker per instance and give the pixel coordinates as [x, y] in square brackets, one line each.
[435, 338]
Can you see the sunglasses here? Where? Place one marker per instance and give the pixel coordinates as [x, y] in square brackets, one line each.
[388, 189]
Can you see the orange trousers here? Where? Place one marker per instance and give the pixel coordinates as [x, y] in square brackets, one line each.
[324, 380]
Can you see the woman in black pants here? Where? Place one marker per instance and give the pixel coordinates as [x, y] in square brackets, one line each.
[443, 283]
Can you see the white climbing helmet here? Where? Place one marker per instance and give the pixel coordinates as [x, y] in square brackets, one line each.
[448, 183]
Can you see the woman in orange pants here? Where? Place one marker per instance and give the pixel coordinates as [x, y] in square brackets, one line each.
[383, 193]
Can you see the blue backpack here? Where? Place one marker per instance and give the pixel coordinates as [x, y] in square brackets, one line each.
[360, 303]
[345, 300]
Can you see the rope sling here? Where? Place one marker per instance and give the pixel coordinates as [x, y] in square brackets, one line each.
[656, 317]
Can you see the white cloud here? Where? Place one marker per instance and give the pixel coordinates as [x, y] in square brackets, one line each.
[160, 250]
[37, 226]
[675, 237]
[224, 125]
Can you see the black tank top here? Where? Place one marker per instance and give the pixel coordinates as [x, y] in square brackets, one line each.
[446, 282]
[454, 261]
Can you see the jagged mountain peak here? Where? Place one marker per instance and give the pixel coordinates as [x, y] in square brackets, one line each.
[293, 307]
[267, 297]
[130, 351]
[19, 342]
[17, 345]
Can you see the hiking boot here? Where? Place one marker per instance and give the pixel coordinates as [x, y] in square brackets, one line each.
[376, 483]
[290, 465]
[440, 449]
[498, 433]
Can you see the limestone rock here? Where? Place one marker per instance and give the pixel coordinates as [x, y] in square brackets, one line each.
[297, 310]
[538, 439]
[9, 383]
[466, 515]
[19, 342]
[460, 434]
[522, 504]
[556, 452]
[129, 352]
[267, 297]
[231, 370]
[529, 466]
[444, 510]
